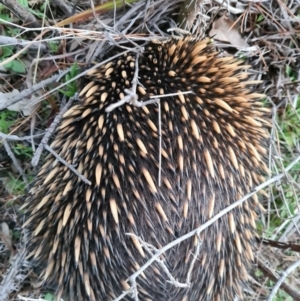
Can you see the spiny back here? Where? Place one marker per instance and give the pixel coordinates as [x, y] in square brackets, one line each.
[211, 152]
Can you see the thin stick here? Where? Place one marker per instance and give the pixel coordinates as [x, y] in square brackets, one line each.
[123, 294]
[131, 97]
[173, 94]
[195, 258]
[212, 220]
[55, 154]
[282, 278]
[284, 286]
[280, 244]
[13, 277]
[160, 143]
[9, 41]
[15, 161]
[17, 138]
[36, 158]
[148, 248]
[27, 92]
[75, 78]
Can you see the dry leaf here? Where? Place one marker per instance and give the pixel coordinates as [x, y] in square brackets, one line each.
[5, 235]
[224, 30]
[20, 106]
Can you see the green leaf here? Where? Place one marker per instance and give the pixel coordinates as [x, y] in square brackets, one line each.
[49, 297]
[53, 45]
[71, 88]
[37, 13]
[23, 150]
[15, 66]
[13, 32]
[74, 70]
[6, 120]
[23, 3]
[14, 185]
[4, 17]
[292, 74]
[259, 18]
[16, 234]
[7, 51]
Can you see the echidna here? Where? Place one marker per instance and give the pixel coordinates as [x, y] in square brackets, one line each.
[157, 172]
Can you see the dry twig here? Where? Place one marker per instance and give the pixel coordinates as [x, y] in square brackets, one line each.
[155, 257]
[279, 282]
[284, 286]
